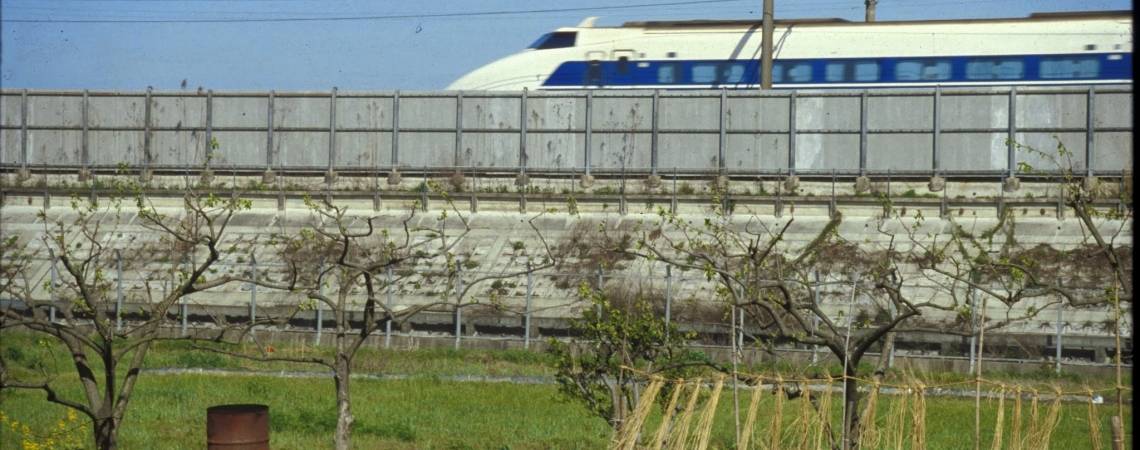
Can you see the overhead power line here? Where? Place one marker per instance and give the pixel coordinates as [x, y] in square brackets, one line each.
[375, 17]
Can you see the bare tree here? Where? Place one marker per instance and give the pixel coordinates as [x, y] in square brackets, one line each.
[81, 240]
[348, 253]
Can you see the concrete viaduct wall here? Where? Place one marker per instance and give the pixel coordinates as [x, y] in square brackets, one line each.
[917, 131]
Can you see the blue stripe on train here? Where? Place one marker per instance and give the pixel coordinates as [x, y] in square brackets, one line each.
[1111, 66]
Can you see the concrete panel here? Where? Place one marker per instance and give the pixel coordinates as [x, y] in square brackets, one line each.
[900, 152]
[54, 147]
[556, 113]
[108, 148]
[974, 151]
[240, 148]
[427, 112]
[500, 113]
[827, 113]
[1047, 143]
[687, 113]
[300, 112]
[9, 146]
[363, 149]
[900, 113]
[426, 149]
[555, 150]
[10, 110]
[755, 113]
[827, 152]
[623, 114]
[491, 149]
[372, 113]
[742, 152]
[618, 150]
[178, 112]
[116, 112]
[1113, 151]
[301, 148]
[243, 112]
[1113, 110]
[55, 110]
[1052, 110]
[688, 151]
[975, 111]
[178, 148]
[773, 151]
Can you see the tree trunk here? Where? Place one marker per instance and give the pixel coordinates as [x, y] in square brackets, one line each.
[106, 433]
[344, 417]
[851, 409]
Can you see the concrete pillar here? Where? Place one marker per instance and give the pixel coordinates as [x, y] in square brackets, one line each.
[269, 176]
[1100, 355]
[331, 176]
[469, 328]
[522, 179]
[207, 176]
[653, 182]
[394, 178]
[84, 175]
[145, 175]
[721, 182]
[1089, 184]
[937, 183]
[23, 174]
[792, 183]
[586, 181]
[406, 327]
[862, 184]
[1011, 184]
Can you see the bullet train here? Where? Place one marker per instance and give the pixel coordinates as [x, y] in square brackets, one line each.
[1043, 49]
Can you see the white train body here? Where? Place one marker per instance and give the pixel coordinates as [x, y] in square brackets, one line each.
[1050, 49]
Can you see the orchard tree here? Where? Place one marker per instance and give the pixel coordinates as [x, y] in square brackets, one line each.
[77, 312]
[342, 261]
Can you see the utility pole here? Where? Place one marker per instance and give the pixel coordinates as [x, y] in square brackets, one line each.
[871, 9]
[766, 50]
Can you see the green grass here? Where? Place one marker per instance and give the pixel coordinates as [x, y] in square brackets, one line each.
[426, 411]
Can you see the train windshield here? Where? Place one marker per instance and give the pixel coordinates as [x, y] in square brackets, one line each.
[558, 39]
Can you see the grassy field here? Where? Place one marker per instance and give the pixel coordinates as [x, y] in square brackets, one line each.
[427, 411]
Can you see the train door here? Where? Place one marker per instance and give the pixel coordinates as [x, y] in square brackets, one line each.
[594, 76]
[624, 67]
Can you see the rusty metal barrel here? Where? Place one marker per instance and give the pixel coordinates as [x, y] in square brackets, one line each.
[237, 427]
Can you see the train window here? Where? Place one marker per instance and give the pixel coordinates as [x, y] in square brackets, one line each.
[995, 69]
[560, 39]
[732, 73]
[623, 65]
[669, 73]
[922, 70]
[1070, 67]
[791, 72]
[851, 71]
[704, 73]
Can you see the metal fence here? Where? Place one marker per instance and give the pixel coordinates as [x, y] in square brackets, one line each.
[959, 130]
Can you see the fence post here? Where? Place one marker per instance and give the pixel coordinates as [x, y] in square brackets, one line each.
[146, 132]
[186, 298]
[721, 166]
[321, 292]
[1091, 133]
[653, 146]
[269, 134]
[1010, 147]
[388, 324]
[332, 132]
[526, 325]
[253, 295]
[589, 129]
[24, 131]
[937, 157]
[791, 137]
[119, 292]
[815, 317]
[973, 326]
[54, 277]
[458, 303]
[668, 296]
[863, 134]
[522, 139]
[458, 130]
[1060, 324]
[85, 158]
[209, 125]
[395, 129]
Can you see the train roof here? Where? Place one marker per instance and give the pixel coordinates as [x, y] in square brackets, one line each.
[1035, 17]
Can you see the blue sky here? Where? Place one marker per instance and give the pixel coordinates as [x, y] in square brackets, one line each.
[356, 45]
